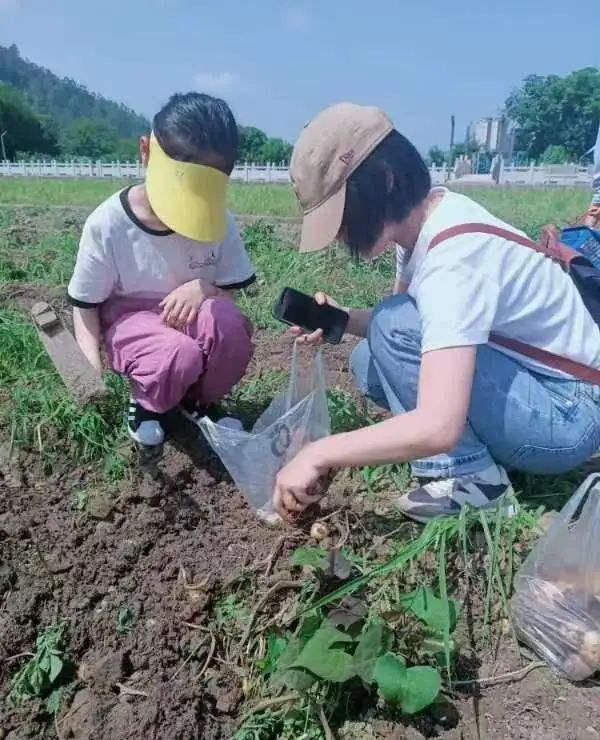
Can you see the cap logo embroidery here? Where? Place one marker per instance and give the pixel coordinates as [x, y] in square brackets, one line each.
[347, 157]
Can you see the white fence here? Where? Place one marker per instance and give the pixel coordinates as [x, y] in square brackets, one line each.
[253, 173]
[560, 174]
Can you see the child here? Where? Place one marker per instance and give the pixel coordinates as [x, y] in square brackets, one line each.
[155, 268]
[466, 407]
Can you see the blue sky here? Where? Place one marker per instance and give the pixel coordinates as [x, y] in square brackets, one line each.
[279, 62]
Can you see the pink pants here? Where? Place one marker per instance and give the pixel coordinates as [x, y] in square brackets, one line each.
[204, 361]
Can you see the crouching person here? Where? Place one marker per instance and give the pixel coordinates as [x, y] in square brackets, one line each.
[156, 266]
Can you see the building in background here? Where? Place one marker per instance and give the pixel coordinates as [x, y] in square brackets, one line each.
[495, 135]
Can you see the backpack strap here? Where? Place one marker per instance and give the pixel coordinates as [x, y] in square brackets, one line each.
[549, 247]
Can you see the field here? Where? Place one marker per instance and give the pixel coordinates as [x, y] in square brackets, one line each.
[146, 601]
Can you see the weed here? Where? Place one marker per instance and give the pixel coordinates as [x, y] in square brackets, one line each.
[125, 621]
[43, 675]
[231, 610]
[38, 410]
[80, 499]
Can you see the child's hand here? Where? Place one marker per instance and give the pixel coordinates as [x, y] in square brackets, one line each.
[181, 306]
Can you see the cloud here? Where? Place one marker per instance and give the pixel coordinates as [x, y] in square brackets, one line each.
[296, 17]
[217, 83]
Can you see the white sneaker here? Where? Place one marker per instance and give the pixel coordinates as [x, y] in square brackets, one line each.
[447, 496]
[144, 426]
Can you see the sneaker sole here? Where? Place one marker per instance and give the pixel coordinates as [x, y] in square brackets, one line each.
[509, 511]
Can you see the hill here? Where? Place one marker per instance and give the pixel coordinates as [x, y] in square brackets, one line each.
[46, 115]
[64, 99]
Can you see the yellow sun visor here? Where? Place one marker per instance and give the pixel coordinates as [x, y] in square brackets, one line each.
[190, 199]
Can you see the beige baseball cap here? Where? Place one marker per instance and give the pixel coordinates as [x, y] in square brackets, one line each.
[329, 149]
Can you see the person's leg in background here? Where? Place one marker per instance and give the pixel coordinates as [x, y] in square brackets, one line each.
[165, 365]
[517, 419]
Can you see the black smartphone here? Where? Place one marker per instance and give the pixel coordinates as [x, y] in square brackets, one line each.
[298, 309]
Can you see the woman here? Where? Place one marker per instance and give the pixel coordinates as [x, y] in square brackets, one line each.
[464, 410]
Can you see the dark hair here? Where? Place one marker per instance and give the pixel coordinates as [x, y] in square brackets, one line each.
[198, 128]
[391, 181]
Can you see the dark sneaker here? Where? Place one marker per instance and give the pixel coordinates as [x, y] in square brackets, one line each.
[144, 427]
[447, 496]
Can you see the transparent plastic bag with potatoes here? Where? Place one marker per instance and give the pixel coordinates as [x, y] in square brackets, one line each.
[556, 605]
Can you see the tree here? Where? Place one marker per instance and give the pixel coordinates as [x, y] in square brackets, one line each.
[276, 151]
[555, 154]
[25, 131]
[127, 150]
[560, 111]
[252, 141]
[90, 138]
[436, 156]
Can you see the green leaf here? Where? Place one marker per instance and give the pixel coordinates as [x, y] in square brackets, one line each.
[438, 614]
[388, 674]
[320, 657]
[313, 557]
[294, 679]
[53, 701]
[308, 626]
[56, 666]
[410, 689]
[420, 688]
[285, 676]
[369, 648]
[275, 647]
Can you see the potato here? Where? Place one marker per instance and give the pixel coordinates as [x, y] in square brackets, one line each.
[576, 668]
[319, 531]
[590, 649]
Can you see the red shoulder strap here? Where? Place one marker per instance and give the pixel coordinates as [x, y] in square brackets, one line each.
[550, 247]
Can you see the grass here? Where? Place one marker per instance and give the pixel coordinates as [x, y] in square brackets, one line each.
[527, 208]
[40, 416]
[271, 200]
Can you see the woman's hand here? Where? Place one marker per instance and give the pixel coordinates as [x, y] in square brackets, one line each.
[298, 485]
[181, 306]
[316, 337]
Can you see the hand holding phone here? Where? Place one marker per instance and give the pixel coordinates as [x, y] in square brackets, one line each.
[312, 319]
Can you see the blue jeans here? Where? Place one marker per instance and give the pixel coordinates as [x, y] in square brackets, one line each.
[517, 418]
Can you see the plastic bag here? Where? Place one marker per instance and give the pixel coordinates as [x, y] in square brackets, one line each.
[556, 606]
[294, 418]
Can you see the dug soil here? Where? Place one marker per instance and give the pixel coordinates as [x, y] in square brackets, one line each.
[162, 549]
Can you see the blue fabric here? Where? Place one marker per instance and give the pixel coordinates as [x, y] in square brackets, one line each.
[520, 419]
[584, 240]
